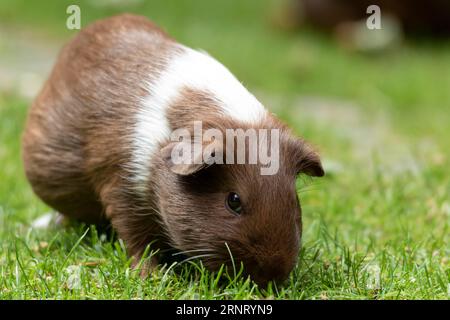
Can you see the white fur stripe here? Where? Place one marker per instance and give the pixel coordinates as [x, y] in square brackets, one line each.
[198, 70]
[194, 70]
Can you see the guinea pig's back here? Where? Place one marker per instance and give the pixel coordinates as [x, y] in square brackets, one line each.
[76, 131]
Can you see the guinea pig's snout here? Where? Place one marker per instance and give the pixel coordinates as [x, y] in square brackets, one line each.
[271, 255]
[275, 268]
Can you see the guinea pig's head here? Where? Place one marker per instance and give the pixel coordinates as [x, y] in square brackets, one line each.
[232, 213]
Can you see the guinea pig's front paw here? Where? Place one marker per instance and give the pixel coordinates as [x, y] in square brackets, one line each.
[144, 266]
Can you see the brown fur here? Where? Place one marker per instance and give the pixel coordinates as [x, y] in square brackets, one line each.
[76, 150]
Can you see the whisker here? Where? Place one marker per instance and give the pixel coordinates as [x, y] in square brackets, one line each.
[198, 256]
[195, 250]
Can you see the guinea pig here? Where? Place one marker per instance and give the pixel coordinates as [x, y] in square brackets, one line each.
[97, 147]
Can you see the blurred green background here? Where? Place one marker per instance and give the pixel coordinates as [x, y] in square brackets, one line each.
[379, 119]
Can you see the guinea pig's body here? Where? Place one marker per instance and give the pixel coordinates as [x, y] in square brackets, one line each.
[96, 148]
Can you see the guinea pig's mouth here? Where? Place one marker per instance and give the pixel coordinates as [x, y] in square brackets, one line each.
[262, 274]
[260, 271]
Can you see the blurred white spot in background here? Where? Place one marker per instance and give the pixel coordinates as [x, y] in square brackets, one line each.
[373, 276]
[43, 221]
[73, 273]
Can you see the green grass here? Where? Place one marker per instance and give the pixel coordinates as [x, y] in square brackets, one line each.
[376, 227]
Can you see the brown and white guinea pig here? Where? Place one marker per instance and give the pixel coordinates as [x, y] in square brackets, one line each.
[97, 148]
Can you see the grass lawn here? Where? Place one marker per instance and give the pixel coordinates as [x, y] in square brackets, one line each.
[376, 227]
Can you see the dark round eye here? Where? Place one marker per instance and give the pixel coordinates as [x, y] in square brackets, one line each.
[234, 202]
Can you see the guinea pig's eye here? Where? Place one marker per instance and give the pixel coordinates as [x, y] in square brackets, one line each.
[233, 202]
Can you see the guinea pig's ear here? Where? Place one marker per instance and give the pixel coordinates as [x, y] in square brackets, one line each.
[308, 160]
[311, 165]
[186, 158]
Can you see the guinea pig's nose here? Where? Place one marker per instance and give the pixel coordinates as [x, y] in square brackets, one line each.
[273, 269]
